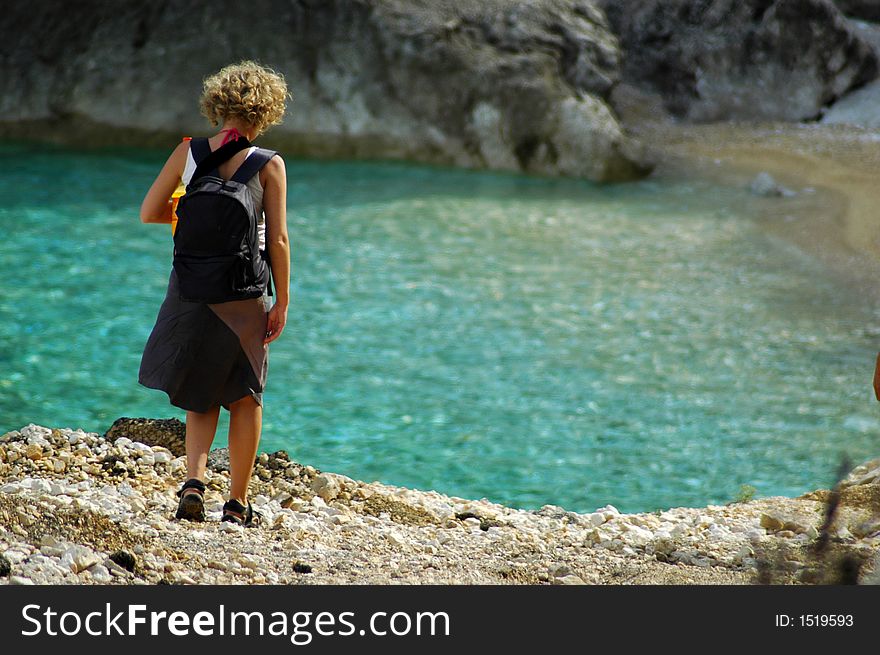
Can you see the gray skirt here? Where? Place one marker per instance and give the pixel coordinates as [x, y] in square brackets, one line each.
[203, 355]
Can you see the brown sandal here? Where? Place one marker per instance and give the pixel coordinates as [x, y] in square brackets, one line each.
[192, 500]
[235, 512]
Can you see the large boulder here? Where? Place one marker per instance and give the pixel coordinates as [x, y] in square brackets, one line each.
[741, 59]
[477, 83]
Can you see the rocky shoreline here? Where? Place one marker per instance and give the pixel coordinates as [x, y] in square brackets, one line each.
[82, 508]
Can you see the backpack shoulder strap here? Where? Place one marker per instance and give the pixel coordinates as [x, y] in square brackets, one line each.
[253, 164]
[208, 165]
[200, 149]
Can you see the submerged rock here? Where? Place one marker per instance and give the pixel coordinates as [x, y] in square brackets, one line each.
[741, 59]
[765, 185]
[506, 85]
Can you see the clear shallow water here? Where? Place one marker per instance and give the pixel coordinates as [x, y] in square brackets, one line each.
[528, 340]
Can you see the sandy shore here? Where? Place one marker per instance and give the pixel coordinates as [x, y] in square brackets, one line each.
[834, 214]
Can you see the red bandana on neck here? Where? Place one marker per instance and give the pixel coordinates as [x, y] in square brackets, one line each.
[231, 135]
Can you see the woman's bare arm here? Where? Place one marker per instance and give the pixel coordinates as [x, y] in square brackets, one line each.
[156, 207]
[277, 242]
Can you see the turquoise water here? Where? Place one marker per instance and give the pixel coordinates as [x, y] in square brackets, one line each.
[527, 340]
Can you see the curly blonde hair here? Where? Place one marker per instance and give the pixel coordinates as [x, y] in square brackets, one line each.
[247, 91]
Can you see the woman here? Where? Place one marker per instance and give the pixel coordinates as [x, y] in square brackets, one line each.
[203, 355]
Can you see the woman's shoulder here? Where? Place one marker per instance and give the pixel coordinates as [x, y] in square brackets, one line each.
[273, 170]
[276, 164]
[276, 158]
[184, 144]
[181, 151]
[176, 161]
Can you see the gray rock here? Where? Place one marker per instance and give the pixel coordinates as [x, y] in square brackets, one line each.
[771, 522]
[868, 527]
[53, 551]
[124, 559]
[638, 536]
[20, 580]
[34, 433]
[229, 526]
[476, 83]
[766, 186]
[741, 59]
[860, 108]
[559, 570]
[865, 473]
[218, 460]
[395, 539]
[5, 567]
[596, 518]
[79, 558]
[100, 573]
[551, 511]
[39, 485]
[326, 487]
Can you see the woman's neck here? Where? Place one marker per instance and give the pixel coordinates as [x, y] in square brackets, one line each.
[234, 129]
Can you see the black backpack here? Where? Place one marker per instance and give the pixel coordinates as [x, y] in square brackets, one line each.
[216, 244]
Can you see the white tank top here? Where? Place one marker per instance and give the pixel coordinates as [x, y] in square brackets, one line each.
[253, 184]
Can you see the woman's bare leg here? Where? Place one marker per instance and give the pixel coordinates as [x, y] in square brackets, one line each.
[200, 429]
[245, 424]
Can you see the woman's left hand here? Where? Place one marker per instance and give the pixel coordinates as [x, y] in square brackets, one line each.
[275, 323]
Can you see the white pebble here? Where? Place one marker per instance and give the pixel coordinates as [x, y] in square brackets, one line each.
[100, 573]
[596, 519]
[19, 580]
[79, 558]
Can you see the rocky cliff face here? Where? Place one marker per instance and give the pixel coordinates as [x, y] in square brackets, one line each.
[476, 83]
[740, 59]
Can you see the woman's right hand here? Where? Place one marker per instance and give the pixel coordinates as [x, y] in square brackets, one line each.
[877, 378]
[275, 324]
